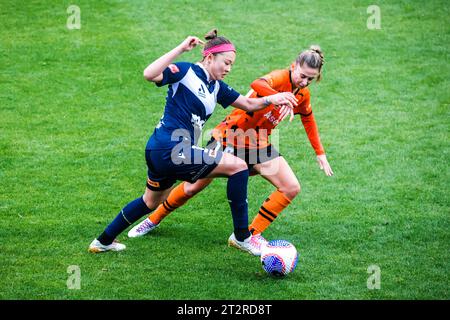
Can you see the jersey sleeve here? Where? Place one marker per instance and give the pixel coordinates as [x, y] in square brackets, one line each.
[174, 73]
[276, 78]
[262, 88]
[226, 95]
[270, 83]
[309, 122]
[310, 125]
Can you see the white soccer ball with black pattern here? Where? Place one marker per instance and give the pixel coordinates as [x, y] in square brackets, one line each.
[279, 258]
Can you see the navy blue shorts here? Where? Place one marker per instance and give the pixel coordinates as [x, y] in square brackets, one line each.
[187, 163]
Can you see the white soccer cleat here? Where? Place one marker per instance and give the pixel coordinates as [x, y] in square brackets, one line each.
[251, 245]
[142, 228]
[260, 240]
[97, 247]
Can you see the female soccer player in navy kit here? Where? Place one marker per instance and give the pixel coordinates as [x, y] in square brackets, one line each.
[171, 152]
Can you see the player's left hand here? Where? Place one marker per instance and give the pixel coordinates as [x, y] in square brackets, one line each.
[324, 165]
[285, 111]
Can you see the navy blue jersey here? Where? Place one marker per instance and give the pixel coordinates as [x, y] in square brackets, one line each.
[190, 101]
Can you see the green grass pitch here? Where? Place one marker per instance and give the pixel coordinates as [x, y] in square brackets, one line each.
[75, 114]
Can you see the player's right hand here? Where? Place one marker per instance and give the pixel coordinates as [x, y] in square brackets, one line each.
[190, 43]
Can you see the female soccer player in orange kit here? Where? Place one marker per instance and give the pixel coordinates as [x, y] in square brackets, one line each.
[246, 134]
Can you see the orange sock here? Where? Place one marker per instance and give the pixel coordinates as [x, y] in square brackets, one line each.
[268, 212]
[176, 199]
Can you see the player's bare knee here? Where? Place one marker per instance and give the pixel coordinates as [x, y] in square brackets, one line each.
[238, 166]
[291, 190]
[191, 189]
[149, 202]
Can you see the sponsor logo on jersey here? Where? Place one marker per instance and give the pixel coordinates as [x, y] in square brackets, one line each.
[201, 91]
[173, 68]
[271, 118]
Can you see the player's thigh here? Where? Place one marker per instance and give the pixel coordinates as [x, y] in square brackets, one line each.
[228, 165]
[278, 172]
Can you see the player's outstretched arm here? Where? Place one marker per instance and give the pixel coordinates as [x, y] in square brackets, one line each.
[286, 99]
[154, 70]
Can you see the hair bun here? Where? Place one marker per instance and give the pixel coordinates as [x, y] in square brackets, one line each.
[211, 34]
[317, 50]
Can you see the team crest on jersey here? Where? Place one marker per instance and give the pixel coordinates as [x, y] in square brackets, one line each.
[173, 68]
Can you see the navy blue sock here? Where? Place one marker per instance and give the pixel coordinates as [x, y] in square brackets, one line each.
[237, 197]
[129, 214]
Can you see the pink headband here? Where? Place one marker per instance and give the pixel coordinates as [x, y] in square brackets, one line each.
[219, 48]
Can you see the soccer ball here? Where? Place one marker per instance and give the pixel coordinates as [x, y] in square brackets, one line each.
[279, 258]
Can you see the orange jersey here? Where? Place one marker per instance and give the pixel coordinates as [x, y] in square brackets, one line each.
[251, 130]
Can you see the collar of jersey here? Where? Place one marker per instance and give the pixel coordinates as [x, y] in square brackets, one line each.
[208, 81]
